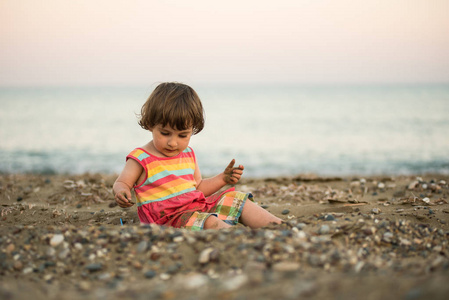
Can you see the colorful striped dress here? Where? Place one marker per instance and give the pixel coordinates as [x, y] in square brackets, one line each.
[168, 194]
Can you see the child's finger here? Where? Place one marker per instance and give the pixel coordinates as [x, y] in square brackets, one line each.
[231, 164]
[128, 199]
[236, 176]
[122, 200]
[237, 171]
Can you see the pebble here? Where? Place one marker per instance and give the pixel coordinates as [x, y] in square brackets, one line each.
[94, 267]
[301, 226]
[195, 281]
[10, 248]
[56, 240]
[150, 274]
[234, 283]
[329, 218]
[142, 247]
[285, 211]
[324, 229]
[286, 266]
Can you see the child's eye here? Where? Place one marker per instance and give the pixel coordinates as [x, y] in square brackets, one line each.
[164, 133]
[183, 136]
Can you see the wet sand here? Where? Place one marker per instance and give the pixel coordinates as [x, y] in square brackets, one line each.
[61, 237]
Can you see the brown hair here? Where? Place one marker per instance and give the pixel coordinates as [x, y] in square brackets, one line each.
[174, 104]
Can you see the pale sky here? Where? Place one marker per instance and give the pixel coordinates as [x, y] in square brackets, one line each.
[135, 42]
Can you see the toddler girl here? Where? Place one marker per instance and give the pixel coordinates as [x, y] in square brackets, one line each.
[165, 175]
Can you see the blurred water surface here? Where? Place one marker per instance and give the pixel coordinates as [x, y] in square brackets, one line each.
[271, 130]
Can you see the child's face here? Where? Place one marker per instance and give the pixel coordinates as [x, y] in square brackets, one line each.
[170, 142]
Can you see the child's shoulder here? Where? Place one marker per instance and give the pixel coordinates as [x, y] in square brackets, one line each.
[139, 154]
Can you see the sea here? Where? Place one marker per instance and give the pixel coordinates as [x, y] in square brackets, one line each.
[273, 130]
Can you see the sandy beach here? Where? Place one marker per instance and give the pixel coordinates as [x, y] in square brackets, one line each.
[63, 237]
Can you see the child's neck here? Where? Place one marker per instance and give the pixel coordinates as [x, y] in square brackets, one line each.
[149, 147]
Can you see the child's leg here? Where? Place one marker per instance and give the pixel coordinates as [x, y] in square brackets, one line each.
[255, 216]
[212, 222]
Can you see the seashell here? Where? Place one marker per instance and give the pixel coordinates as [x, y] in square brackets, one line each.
[207, 255]
[376, 211]
[69, 184]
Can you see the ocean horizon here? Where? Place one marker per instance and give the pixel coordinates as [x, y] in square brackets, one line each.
[273, 130]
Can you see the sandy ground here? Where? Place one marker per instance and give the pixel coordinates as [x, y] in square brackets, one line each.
[61, 237]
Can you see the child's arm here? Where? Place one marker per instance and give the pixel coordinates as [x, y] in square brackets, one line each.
[211, 185]
[124, 183]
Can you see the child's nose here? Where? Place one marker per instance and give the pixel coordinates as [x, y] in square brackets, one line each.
[172, 142]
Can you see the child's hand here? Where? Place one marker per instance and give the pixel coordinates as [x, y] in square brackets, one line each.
[122, 199]
[232, 175]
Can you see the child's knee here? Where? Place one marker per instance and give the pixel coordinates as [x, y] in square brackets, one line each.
[212, 222]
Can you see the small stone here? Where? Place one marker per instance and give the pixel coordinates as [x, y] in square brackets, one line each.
[64, 253]
[324, 229]
[10, 248]
[149, 274]
[195, 281]
[137, 265]
[104, 276]
[387, 236]
[48, 277]
[56, 240]
[329, 218]
[28, 270]
[84, 285]
[358, 267]
[376, 211]
[426, 200]
[285, 211]
[301, 226]
[94, 267]
[286, 266]
[234, 283]
[50, 252]
[142, 246]
[18, 265]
